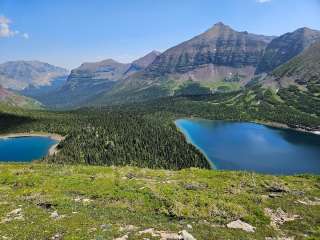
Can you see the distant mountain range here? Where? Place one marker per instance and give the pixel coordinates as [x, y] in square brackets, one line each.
[91, 79]
[220, 59]
[19, 75]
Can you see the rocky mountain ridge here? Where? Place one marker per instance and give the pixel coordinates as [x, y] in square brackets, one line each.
[18, 75]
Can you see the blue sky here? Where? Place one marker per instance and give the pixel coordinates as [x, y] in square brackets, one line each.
[69, 32]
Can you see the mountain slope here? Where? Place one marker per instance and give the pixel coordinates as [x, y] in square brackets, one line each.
[302, 71]
[219, 55]
[142, 63]
[285, 47]
[91, 79]
[10, 98]
[18, 75]
[298, 81]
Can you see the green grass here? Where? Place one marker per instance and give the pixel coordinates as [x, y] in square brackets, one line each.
[122, 196]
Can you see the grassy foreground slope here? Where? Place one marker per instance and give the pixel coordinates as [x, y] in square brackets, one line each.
[40, 201]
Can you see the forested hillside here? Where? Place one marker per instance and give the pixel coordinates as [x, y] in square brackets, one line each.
[144, 134]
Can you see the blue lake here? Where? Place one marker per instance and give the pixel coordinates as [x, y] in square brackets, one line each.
[24, 149]
[253, 147]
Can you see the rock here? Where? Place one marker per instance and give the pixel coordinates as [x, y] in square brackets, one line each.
[130, 175]
[83, 200]
[162, 234]
[128, 228]
[54, 215]
[238, 224]
[15, 214]
[189, 226]
[150, 231]
[186, 236]
[86, 200]
[277, 189]
[274, 195]
[308, 202]
[46, 205]
[279, 217]
[195, 186]
[57, 236]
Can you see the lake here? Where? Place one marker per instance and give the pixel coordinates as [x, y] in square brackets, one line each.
[24, 149]
[253, 147]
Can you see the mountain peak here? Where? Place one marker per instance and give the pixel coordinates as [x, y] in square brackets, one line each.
[146, 60]
[219, 26]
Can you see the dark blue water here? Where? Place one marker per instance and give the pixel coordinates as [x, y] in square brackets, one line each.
[24, 149]
[254, 147]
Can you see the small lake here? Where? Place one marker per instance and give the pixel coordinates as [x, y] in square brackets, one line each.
[24, 149]
[253, 147]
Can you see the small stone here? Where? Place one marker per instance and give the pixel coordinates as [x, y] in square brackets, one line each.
[54, 215]
[186, 236]
[128, 228]
[45, 205]
[15, 212]
[57, 236]
[274, 195]
[195, 186]
[308, 202]
[130, 175]
[189, 226]
[238, 224]
[277, 189]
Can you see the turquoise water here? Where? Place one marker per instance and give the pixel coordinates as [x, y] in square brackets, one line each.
[24, 149]
[254, 147]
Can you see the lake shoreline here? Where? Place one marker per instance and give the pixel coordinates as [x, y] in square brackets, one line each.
[252, 146]
[269, 124]
[188, 139]
[52, 150]
[285, 126]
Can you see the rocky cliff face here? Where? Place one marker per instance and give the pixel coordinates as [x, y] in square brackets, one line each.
[286, 47]
[220, 46]
[19, 75]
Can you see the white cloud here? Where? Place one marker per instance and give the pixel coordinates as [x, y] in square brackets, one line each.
[5, 30]
[25, 35]
[263, 1]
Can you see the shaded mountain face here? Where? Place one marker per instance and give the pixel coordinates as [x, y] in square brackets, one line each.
[286, 47]
[142, 63]
[19, 75]
[10, 98]
[92, 79]
[302, 71]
